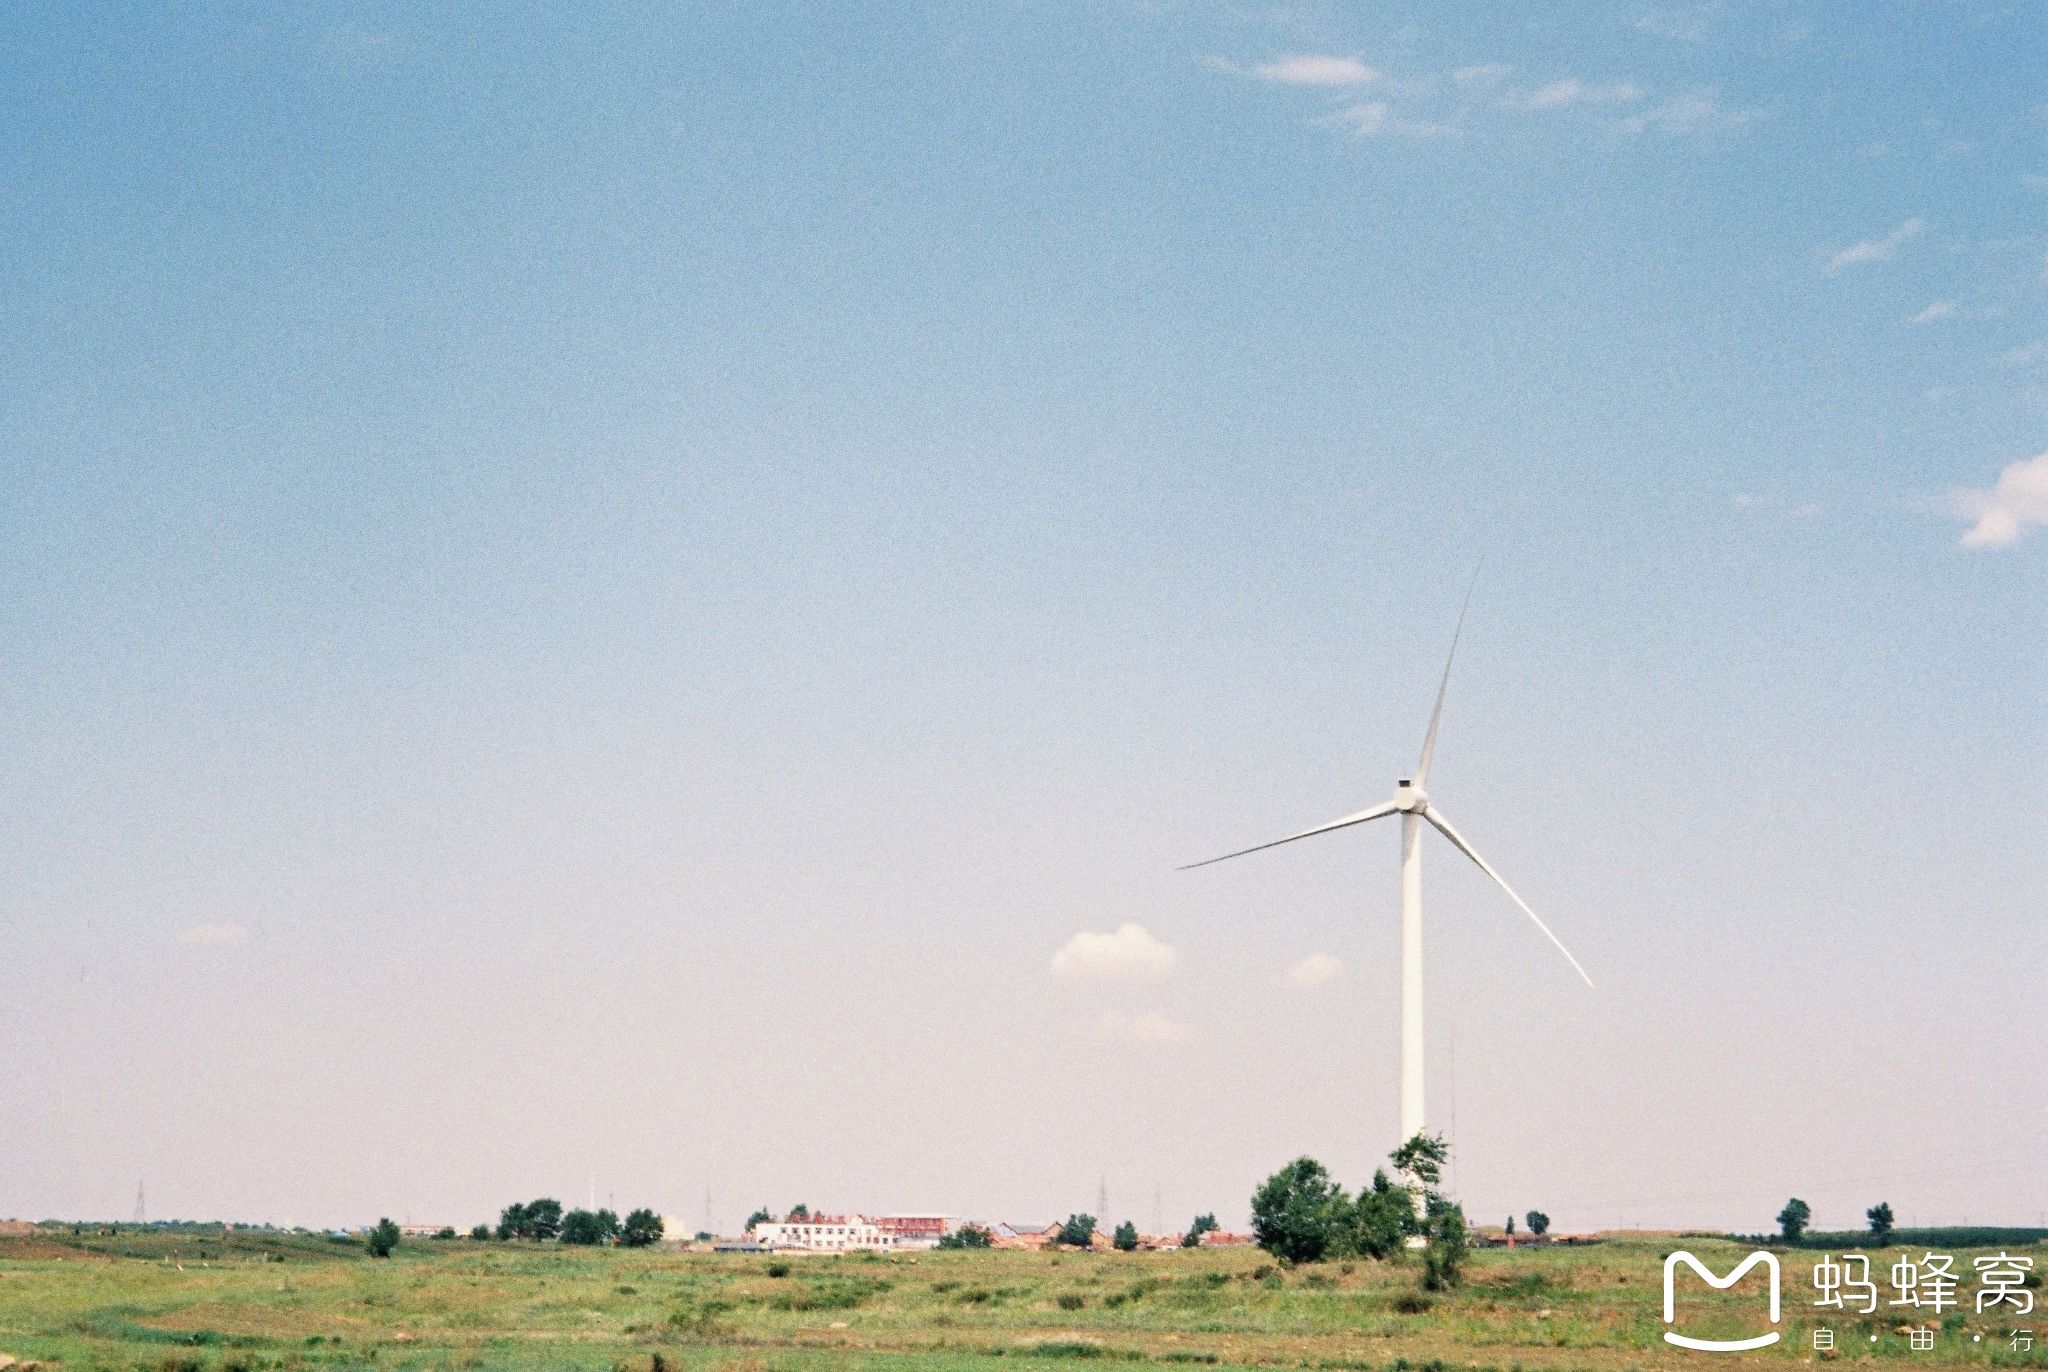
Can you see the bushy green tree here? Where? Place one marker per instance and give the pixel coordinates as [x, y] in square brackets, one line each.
[481, 1232]
[799, 1212]
[512, 1221]
[382, 1238]
[1794, 1218]
[1443, 1260]
[1422, 1158]
[760, 1216]
[1125, 1239]
[1193, 1238]
[1298, 1211]
[543, 1219]
[1511, 1226]
[1078, 1231]
[1538, 1222]
[641, 1228]
[1378, 1222]
[967, 1236]
[588, 1227]
[1880, 1217]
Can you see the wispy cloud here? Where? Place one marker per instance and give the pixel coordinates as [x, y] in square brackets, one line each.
[1876, 249]
[1128, 953]
[215, 933]
[1699, 111]
[1687, 25]
[1940, 309]
[1569, 91]
[1482, 74]
[1317, 969]
[1370, 118]
[1154, 1029]
[2017, 502]
[1304, 69]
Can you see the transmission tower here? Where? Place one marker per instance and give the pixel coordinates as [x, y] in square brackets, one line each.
[139, 1210]
[1102, 1200]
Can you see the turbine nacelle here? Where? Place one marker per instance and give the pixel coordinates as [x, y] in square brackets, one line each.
[1410, 798]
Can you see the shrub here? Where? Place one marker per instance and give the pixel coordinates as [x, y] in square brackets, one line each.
[382, 1238]
[1072, 1300]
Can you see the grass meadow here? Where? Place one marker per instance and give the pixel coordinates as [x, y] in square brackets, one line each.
[186, 1302]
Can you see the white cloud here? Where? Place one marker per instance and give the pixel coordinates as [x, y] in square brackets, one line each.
[1572, 91]
[1312, 69]
[1698, 111]
[2034, 181]
[1371, 117]
[1146, 1028]
[1128, 954]
[2025, 355]
[215, 933]
[1363, 119]
[2005, 512]
[1876, 249]
[1481, 74]
[1940, 309]
[1317, 969]
[1684, 25]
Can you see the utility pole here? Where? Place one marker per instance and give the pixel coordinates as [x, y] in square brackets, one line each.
[1102, 1200]
[139, 1209]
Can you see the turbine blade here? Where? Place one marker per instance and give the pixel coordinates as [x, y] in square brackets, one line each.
[1436, 715]
[1361, 817]
[1443, 826]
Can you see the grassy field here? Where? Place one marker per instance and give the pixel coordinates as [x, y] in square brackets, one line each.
[168, 1302]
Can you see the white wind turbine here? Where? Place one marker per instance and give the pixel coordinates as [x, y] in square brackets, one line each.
[1414, 806]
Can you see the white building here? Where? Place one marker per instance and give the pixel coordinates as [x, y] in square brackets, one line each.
[825, 1234]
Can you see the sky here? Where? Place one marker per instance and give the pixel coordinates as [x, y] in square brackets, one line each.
[641, 601]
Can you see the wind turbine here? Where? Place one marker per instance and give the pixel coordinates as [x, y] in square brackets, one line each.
[1412, 803]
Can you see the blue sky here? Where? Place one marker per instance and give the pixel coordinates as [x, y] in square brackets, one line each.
[580, 580]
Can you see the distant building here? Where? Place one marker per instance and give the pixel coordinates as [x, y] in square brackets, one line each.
[916, 1231]
[1028, 1237]
[824, 1234]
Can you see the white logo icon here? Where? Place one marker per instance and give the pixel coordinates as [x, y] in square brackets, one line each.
[1719, 1284]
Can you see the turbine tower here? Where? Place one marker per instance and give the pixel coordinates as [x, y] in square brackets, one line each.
[1412, 803]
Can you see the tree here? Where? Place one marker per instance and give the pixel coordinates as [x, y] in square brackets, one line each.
[1125, 1240]
[1794, 1218]
[1422, 1158]
[382, 1238]
[967, 1236]
[1539, 1223]
[799, 1212]
[760, 1216]
[1443, 1261]
[1378, 1222]
[1511, 1226]
[446, 1231]
[512, 1221]
[1880, 1217]
[642, 1228]
[1297, 1210]
[543, 1219]
[1078, 1231]
[481, 1232]
[1193, 1238]
[589, 1227]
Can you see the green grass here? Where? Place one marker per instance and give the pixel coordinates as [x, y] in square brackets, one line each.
[198, 1300]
